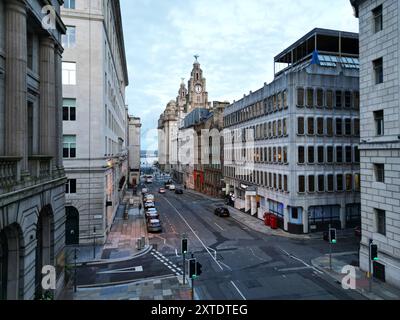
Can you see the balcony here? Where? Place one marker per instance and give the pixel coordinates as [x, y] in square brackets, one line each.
[40, 167]
[10, 172]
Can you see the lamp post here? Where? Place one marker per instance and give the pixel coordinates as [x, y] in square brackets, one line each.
[94, 242]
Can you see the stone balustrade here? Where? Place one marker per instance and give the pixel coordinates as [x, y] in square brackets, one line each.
[40, 167]
[10, 171]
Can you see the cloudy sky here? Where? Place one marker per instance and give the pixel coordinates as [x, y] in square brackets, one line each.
[236, 40]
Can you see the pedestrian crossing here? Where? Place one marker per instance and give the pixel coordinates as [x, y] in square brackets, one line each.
[170, 265]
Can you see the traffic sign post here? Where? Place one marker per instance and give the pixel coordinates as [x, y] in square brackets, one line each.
[332, 240]
[373, 256]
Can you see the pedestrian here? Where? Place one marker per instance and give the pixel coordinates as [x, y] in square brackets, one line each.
[140, 207]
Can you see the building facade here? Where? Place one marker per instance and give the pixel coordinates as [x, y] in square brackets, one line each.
[380, 135]
[292, 147]
[32, 178]
[95, 117]
[134, 140]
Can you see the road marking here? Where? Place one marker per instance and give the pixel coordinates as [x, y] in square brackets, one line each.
[226, 265]
[252, 251]
[218, 226]
[124, 270]
[293, 269]
[202, 243]
[303, 262]
[244, 298]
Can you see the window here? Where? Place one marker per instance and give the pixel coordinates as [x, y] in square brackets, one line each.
[69, 73]
[321, 183]
[285, 155]
[285, 184]
[378, 19]
[300, 97]
[339, 127]
[329, 127]
[339, 182]
[310, 126]
[70, 186]
[311, 155]
[357, 182]
[339, 154]
[357, 127]
[320, 98]
[349, 182]
[31, 125]
[300, 126]
[275, 182]
[347, 127]
[30, 50]
[357, 100]
[280, 182]
[280, 155]
[379, 172]
[356, 155]
[270, 130]
[349, 156]
[302, 184]
[338, 99]
[69, 110]
[274, 129]
[310, 97]
[285, 104]
[69, 147]
[379, 123]
[301, 155]
[311, 184]
[320, 126]
[69, 39]
[274, 151]
[321, 155]
[279, 128]
[285, 127]
[378, 70]
[347, 99]
[69, 4]
[381, 221]
[330, 183]
[329, 156]
[329, 99]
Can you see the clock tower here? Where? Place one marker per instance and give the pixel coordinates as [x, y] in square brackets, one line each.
[197, 90]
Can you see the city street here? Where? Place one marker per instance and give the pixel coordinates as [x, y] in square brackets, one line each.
[238, 263]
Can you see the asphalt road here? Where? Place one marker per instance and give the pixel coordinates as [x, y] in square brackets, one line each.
[239, 263]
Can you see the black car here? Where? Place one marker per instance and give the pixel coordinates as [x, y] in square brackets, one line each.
[222, 212]
[178, 191]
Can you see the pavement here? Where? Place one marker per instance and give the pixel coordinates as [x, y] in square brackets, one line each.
[380, 290]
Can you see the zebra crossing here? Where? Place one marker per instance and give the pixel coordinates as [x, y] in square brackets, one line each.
[164, 260]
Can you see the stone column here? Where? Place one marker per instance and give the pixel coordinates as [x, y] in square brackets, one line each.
[59, 102]
[16, 131]
[47, 118]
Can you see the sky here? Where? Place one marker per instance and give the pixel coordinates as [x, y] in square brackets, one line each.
[236, 40]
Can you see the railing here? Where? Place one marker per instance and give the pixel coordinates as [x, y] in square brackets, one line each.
[10, 171]
[40, 166]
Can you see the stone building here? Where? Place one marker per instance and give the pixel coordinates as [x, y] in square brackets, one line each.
[292, 146]
[134, 140]
[380, 135]
[32, 178]
[95, 117]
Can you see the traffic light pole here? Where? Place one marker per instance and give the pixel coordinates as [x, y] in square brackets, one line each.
[184, 268]
[330, 249]
[192, 288]
[369, 266]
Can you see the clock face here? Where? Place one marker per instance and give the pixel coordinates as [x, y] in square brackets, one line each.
[198, 88]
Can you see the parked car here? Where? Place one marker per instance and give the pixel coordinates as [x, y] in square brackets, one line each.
[145, 190]
[222, 212]
[172, 187]
[167, 184]
[161, 190]
[152, 215]
[179, 191]
[149, 204]
[149, 197]
[154, 225]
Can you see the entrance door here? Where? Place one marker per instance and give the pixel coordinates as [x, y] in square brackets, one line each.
[72, 226]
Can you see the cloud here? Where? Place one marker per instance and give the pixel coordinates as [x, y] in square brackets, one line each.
[236, 40]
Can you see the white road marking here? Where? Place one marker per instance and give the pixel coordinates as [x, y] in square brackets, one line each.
[219, 226]
[202, 243]
[303, 262]
[293, 269]
[244, 298]
[124, 270]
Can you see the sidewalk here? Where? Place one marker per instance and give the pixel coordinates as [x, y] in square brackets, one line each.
[380, 290]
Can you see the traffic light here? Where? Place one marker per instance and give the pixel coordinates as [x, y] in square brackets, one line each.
[192, 268]
[332, 236]
[198, 269]
[184, 246]
[374, 252]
